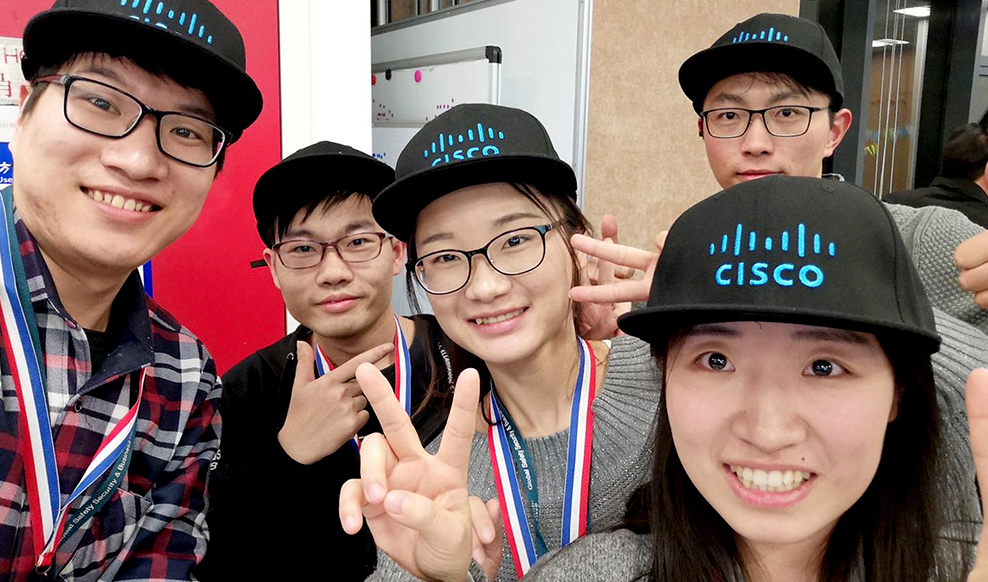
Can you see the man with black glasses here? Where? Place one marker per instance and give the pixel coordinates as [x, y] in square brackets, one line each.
[109, 405]
[292, 410]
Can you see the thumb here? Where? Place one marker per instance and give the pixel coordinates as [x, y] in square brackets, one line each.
[304, 372]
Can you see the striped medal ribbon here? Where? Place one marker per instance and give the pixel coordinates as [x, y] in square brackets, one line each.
[403, 370]
[48, 515]
[576, 494]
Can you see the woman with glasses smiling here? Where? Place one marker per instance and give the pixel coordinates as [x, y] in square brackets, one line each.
[487, 208]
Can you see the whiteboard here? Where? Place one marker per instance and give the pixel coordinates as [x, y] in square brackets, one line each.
[407, 93]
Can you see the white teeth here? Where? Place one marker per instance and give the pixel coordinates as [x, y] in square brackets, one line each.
[118, 201]
[773, 481]
[497, 319]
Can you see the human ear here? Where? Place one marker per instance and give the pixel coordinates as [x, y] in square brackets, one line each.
[838, 129]
[699, 127]
[399, 256]
[269, 260]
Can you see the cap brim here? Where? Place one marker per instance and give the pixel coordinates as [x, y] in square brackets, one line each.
[397, 207]
[300, 181]
[651, 323]
[61, 32]
[703, 70]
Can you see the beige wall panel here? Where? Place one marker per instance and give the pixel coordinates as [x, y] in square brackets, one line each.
[645, 162]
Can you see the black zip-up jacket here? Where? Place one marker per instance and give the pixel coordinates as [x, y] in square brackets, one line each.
[271, 518]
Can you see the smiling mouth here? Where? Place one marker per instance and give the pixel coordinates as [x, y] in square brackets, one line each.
[770, 481]
[498, 318]
[118, 201]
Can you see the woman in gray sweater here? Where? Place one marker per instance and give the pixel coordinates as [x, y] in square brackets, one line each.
[487, 209]
[799, 433]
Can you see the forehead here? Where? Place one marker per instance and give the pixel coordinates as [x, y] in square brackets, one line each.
[761, 89]
[336, 218]
[154, 87]
[474, 212]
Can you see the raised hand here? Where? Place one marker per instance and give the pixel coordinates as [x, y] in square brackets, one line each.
[977, 417]
[608, 298]
[416, 504]
[325, 412]
[972, 258]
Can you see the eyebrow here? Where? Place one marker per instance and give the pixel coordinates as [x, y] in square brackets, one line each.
[712, 329]
[775, 99]
[497, 222]
[189, 108]
[830, 335]
[352, 227]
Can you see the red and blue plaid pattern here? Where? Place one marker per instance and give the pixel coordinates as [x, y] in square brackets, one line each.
[152, 527]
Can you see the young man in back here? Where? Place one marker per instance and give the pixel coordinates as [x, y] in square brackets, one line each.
[291, 410]
[109, 405]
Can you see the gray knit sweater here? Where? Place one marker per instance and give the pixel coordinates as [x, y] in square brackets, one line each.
[931, 235]
[624, 414]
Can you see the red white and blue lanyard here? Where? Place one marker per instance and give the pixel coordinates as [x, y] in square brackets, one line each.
[403, 370]
[48, 514]
[507, 447]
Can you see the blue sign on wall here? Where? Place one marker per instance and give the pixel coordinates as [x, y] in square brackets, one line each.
[6, 166]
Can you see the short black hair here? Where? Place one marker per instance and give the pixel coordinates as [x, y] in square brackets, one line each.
[966, 153]
[277, 225]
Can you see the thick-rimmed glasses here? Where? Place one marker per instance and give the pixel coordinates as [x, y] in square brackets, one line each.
[511, 253]
[107, 111]
[780, 121]
[354, 248]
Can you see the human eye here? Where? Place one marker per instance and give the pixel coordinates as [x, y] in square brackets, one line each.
[516, 239]
[188, 132]
[301, 248]
[715, 362]
[99, 101]
[790, 113]
[443, 259]
[727, 115]
[824, 368]
[358, 241]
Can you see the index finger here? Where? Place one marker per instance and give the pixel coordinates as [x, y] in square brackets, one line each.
[397, 427]
[618, 292]
[618, 254]
[454, 450]
[346, 370]
[972, 252]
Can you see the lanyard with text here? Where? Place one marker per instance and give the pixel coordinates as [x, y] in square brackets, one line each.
[506, 445]
[403, 370]
[48, 514]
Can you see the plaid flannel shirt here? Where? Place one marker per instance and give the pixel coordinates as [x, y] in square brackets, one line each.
[152, 527]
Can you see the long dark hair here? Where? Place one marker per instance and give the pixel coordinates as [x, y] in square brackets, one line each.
[888, 535]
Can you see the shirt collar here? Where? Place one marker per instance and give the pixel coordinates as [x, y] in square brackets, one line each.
[961, 186]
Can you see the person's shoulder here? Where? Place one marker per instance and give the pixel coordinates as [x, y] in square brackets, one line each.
[266, 364]
[616, 556]
[910, 198]
[169, 337]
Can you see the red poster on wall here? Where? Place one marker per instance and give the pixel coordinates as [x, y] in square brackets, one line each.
[204, 278]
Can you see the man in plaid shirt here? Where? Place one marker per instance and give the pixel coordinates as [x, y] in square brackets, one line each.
[123, 126]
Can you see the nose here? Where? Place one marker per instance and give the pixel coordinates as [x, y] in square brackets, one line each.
[769, 418]
[485, 283]
[333, 270]
[757, 140]
[137, 154]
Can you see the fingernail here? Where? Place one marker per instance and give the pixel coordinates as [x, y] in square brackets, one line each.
[488, 535]
[351, 524]
[394, 502]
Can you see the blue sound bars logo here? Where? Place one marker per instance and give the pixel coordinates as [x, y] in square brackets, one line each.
[787, 271]
[179, 21]
[761, 35]
[475, 143]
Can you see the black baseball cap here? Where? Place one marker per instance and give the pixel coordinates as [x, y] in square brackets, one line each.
[311, 174]
[468, 145]
[190, 36]
[792, 250]
[775, 43]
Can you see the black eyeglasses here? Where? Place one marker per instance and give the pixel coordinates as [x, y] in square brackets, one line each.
[353, 248]
[104, 110]
[511, 253]
[780, 121]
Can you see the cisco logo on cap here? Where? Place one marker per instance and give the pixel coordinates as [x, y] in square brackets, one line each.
[474, 143]
[770, 35]
[159, 14]
[787, 271]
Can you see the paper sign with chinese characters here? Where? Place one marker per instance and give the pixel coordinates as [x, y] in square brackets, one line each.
[11, 77]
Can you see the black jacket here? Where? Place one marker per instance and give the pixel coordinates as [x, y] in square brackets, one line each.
[273, 518]
[957, 193]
